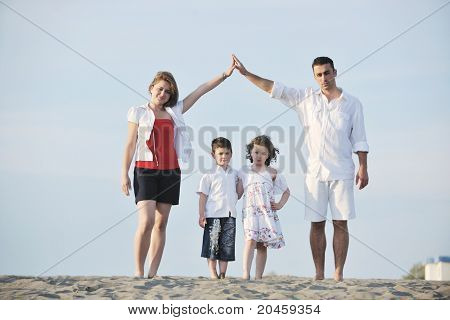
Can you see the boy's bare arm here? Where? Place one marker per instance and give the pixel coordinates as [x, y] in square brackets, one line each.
[201, 209]
[239, 188]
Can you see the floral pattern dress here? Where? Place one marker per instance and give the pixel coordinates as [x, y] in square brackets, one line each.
[261, 223]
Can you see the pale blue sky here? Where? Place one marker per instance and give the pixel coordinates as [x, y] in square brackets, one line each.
[63, 124]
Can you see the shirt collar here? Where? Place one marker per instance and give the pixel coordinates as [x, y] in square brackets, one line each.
[343, 95]
[220, 169]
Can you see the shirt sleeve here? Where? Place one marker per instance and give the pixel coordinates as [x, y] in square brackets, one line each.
[204, 185]
[288, 96]
[280, 184]
[178, 108]
[132, 115]
[358, 134]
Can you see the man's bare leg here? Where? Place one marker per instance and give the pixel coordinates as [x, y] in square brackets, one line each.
[340, 247]
[318, 244]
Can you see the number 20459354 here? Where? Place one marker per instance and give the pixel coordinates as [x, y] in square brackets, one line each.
[289, 309]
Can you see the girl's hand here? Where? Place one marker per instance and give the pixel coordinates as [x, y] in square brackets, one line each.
[126, 185]
[276, 206]
[202, 221]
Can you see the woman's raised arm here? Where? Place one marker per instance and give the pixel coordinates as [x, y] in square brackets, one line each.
[189, 101]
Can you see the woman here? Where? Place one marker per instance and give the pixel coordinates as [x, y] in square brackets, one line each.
[158, 137]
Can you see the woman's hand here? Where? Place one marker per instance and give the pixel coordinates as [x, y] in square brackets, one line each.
[230, 70]
[192, 98]
[126, 185]
[202, 221]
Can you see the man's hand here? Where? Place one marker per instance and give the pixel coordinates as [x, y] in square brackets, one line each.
[362, 177]
[238, 65]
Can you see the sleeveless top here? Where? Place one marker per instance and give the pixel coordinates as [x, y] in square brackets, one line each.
[161, 144]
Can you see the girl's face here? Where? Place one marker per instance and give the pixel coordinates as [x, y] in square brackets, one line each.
[160, 92]
[259, 155]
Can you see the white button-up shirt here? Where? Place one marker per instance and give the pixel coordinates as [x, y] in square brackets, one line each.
[220, 187]
[332, 130]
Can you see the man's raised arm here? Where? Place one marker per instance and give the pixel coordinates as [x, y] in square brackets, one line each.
[263, 84]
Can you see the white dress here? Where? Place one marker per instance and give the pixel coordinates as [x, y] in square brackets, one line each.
[261, 223]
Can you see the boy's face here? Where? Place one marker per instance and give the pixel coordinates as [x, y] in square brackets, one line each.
[222, 156]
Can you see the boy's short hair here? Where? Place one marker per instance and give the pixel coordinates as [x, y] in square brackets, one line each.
[221, 142]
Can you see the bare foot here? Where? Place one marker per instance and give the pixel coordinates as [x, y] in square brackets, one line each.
[338, 277]
[222, 275]
[319, 277]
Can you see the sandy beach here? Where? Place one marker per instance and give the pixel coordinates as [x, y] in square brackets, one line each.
[198, 288]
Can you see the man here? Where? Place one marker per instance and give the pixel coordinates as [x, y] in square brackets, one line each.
[334, 125]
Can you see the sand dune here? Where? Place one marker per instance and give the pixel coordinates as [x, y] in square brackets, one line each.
[193, 288]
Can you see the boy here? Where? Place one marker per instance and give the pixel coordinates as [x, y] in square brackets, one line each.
[217, 209]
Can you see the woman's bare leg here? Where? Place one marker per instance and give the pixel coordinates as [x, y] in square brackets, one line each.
[158, 237]
[146, 220]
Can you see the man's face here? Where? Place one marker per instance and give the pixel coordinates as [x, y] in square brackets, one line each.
[325, 76]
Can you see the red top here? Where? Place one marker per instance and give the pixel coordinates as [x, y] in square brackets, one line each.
[161, 144]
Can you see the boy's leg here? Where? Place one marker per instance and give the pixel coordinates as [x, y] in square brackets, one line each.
[227, 241]
[146, 220]
[212, 265]
[223, 265]
[261, 258]
[249, 251]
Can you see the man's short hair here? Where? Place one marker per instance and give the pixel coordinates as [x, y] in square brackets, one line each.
[319, 61]
[221, 142]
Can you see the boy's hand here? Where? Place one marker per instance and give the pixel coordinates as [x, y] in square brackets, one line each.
[276, 206]
[202, 221]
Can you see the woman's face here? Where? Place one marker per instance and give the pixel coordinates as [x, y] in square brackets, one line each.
[161, 92]
[259, 155]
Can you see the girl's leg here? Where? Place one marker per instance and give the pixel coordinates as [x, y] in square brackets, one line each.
[223, 265]
[212, 264]
[146, 220]
[158, 238]
[261, 258]
[249, 251]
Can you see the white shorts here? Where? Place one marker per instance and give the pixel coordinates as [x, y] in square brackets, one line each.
[337, 193]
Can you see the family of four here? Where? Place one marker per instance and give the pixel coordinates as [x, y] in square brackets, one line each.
[157, 138]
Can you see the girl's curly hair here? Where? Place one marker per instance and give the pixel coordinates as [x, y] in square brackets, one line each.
[265, 142]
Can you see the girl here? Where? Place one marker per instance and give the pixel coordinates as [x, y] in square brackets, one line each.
[259, 182]
[157, 135]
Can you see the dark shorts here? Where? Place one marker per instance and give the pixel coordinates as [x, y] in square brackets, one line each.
[219, 239]
[158, 185]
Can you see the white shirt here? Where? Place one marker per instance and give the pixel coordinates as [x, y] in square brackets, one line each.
[332, 130]
[144, 117]
[220, 187]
